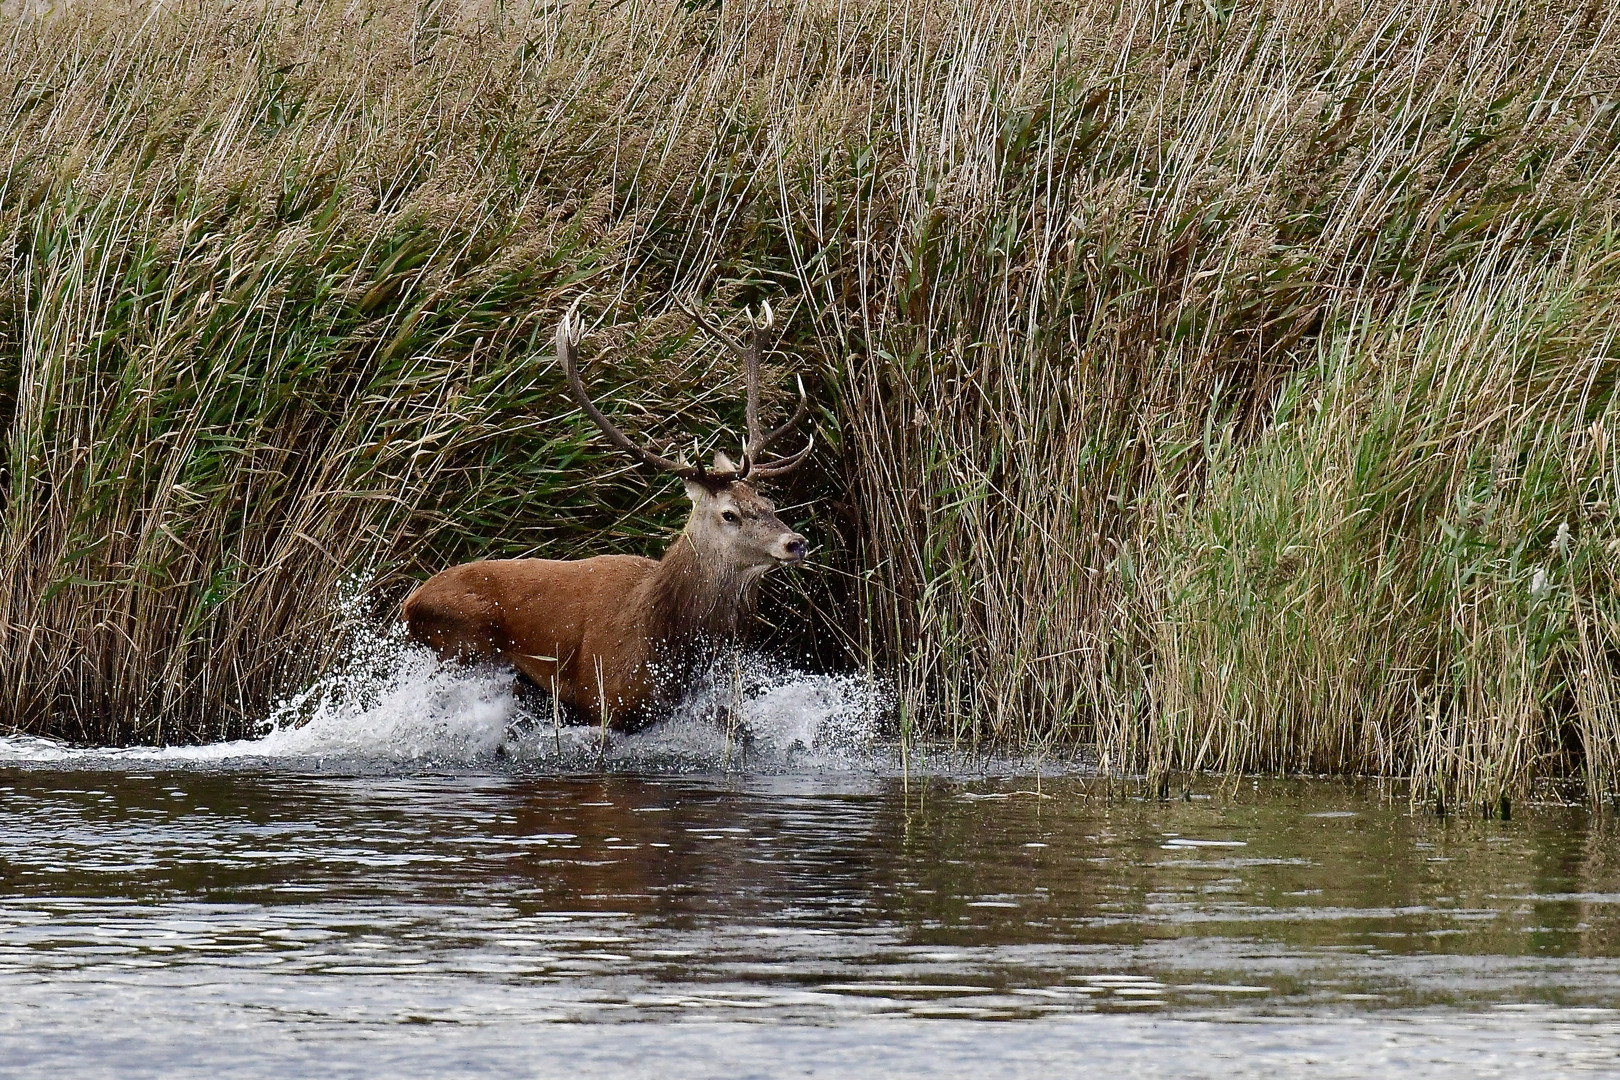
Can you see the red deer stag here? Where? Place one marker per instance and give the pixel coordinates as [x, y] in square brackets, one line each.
[617, 637]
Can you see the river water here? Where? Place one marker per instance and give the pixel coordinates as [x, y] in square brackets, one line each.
[418, 883]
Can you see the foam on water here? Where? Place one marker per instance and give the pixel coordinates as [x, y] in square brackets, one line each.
[393, 702]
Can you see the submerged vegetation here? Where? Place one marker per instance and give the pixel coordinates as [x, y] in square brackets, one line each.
[1225, 386]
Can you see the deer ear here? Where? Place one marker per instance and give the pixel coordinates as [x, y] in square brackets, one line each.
[722, 463]
[695, 491]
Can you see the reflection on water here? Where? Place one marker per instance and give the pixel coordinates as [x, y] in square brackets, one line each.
[172, 918]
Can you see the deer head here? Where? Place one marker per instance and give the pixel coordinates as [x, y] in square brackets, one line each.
[730, 519]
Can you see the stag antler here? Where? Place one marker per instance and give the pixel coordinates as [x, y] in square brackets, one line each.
[569, 332]
[748, 354]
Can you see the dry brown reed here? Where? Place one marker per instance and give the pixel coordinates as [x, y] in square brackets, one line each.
[1224, 386]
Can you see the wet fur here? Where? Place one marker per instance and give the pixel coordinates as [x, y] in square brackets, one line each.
[616, 637]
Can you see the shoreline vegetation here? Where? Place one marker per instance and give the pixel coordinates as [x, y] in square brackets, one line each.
[1220, 386]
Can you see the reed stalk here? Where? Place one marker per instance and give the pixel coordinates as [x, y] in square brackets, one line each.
[1219, 386]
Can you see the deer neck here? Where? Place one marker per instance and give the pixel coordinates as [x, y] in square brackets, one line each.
[698, 598]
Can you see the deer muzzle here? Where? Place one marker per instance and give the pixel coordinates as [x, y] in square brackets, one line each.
[791, 549]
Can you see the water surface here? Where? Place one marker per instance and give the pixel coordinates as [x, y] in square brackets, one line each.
[484, 911]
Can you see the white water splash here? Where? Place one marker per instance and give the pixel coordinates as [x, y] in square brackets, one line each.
[394, 703]
[782, 720]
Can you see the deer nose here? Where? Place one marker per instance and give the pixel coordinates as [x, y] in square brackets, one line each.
[795, 548]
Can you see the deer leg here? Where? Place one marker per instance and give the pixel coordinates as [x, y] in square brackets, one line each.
[540, 706]
[533, 705]
[540, 714]
[730, 715]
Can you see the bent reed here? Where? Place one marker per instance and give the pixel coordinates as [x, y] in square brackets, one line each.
[1222, 386]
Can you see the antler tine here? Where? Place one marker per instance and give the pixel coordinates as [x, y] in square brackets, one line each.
[569, 332]
[749, 356]
[784, 464]
[708, 327]
[799, 413]
[756, 440]
[750, 359]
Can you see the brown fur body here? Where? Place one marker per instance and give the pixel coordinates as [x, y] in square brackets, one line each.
[616, 636]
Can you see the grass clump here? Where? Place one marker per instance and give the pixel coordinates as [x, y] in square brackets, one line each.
[1225, 386]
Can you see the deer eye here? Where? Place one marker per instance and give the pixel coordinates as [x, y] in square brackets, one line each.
[728, 516]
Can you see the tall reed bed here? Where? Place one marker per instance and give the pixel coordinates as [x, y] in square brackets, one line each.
[1224, 386]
